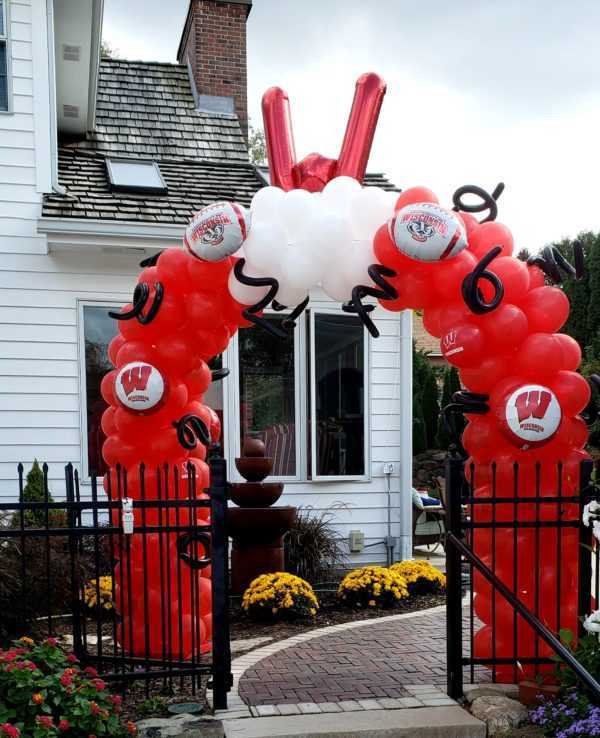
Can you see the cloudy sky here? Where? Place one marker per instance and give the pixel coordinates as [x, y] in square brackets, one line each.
[479, 91]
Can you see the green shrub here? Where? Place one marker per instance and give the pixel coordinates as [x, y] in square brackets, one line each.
[44, 692]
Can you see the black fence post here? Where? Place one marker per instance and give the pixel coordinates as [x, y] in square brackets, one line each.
[221, 653]
[72, 519]
[454, 646]
[585, 546]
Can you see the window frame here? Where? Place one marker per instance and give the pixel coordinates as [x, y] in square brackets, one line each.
[313, 404]
[136, 189]
[83, 429]
[5, 39]
[231, 401]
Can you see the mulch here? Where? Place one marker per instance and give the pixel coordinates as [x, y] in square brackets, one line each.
[329, 613]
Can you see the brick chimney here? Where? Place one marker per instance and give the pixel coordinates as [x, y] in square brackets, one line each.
[213, 45]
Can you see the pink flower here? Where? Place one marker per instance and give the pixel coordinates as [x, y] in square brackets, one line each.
[99, 684]
[9, 656]
[64, 725]
[116, 699]
[72, 659]
[52, 641]
[90, 671]
[10, 730]
[66, 680]
[94, 709]
[45, 721]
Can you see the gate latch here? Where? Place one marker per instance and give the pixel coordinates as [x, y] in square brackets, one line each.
[127, 516]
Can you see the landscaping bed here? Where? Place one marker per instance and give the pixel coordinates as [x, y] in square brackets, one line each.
[330, 613]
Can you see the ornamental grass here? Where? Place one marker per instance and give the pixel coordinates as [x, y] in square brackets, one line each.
[372, 586]
[421, 576]
[279, 596]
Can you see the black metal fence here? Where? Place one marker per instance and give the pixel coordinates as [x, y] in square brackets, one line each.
[531, 570]
[133, 577]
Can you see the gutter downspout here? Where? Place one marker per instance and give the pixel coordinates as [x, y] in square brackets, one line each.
[406, 456]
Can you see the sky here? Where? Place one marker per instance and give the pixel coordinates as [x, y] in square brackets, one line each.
[478, 91]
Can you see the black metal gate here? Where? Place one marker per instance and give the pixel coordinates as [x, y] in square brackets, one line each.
[497, 542]
[132, 586]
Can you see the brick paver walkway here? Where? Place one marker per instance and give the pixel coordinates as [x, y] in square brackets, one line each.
[369, 661]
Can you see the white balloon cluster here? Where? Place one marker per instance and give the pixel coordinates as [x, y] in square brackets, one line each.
[306, 239]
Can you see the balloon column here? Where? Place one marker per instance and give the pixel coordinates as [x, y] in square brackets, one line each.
[495, 316]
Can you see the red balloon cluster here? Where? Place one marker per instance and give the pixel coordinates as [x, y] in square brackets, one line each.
[182, 316]
[515, 355]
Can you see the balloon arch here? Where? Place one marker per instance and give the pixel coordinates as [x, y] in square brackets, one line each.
[496, 317]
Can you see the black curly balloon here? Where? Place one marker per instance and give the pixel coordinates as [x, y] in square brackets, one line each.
[141, 295]
[218, 374]
[590, 413]
[488, 202]
[250, 312]
[552, 262]
[190, 430]
[150, 261]
[472, 295]
[383, 291]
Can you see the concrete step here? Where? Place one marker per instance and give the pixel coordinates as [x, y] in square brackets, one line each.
[432, 722]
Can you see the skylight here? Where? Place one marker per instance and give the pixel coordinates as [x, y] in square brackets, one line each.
[126, 175]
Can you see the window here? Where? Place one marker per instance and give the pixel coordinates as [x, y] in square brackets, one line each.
[98, 331]
[337, 396]
[307, 400]
[126, 175]
[267, 387]
[4, 58]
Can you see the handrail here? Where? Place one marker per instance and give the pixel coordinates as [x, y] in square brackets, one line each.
[527, 615]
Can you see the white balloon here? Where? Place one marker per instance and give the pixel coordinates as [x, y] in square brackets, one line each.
[266, 203]
[290, 296]
[243, 293]
[336, 287]
[369, 210]
[331, 236]
[358, 259]
[296, 211]
[299, 269]
[338, 192]
[265, 246]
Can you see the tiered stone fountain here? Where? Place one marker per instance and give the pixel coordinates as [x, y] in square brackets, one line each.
[257, 529]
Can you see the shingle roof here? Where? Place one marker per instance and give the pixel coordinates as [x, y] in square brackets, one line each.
[147, 109]
[191, 185]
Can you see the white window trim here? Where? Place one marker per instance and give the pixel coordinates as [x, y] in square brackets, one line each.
[6, 40]
[83, 429]
[302, 366]
[313, 405]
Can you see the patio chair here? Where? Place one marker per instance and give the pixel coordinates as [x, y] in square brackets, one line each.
[428, 524]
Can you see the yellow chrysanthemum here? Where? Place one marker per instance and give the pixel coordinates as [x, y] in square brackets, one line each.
[421, 576]
[279, 594]
[372, 586]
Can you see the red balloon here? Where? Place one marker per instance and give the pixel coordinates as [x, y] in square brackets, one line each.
[172, 269]
[107, 387]
[470, 221]
[537, 278]
[572, 390]
[486, 375]
[114, 346]
[386, 251]
[415, 195]
[504, 329]
[199, 380]
[547, 309]
[463, 346]
[514, 276]
[570, 351]
[488, 235]
[448, 279]
[539, 357]
[137, 351]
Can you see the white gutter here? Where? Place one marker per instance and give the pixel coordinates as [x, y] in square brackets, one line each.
[406, 455]
[95, 48]
[85, 234]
